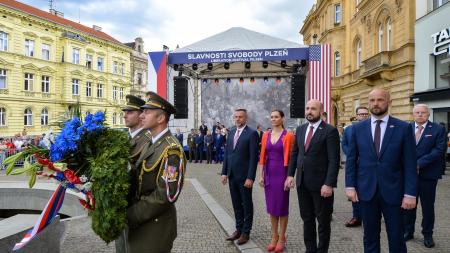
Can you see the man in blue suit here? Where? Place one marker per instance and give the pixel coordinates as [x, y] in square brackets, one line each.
[430, 141]
[381, 173]
[362, 113]
[239, 169]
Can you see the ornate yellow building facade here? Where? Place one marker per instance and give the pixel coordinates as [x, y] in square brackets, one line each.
[48, 64]
[372, 46]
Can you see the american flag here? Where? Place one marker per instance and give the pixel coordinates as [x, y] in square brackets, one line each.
[319, 76]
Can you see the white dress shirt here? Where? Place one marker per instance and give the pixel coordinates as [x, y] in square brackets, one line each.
[156, 138]
[134, 133]
[314, 125]
[383, 126]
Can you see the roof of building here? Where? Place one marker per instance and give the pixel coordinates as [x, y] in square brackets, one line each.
[130, 44]
[238, 38]
[56, 19]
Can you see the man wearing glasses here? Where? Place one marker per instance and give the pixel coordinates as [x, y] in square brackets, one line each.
[362, 113]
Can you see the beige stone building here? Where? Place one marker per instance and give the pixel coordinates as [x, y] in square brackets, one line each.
[372, 46]
[139, 66]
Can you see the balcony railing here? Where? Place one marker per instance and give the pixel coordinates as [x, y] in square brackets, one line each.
[376, 62]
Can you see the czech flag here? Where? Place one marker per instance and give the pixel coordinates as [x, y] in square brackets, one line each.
[47, 215]
[159, 62]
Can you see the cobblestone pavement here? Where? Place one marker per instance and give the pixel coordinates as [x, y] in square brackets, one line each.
[199, 231]
[342, 239]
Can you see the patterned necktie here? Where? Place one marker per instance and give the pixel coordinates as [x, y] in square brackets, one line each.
[377, 137]
[236, 137]
[418, 133]
[309, 137]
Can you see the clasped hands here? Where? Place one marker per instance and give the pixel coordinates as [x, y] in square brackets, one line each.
[407, 202]
[326, 191]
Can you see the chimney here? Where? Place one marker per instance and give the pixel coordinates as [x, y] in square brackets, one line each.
[97, 28]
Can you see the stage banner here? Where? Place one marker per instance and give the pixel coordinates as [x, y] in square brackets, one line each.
[279, 54]
[159, 62]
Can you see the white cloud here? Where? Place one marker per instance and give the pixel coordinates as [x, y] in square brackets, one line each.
[173, 22]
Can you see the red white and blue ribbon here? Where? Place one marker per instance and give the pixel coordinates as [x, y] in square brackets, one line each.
[50, 211]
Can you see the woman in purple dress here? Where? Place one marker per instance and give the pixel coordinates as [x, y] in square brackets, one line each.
[276, 146]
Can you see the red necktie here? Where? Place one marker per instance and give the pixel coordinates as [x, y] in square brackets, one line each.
[309, 137]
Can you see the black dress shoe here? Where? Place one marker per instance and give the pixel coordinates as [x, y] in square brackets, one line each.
[243, 239]
[234, 236]
[408, 236]
[428, 242]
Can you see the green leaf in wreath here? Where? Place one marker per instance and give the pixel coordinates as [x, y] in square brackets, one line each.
[22, 170]
[32, 180]
[10, 161]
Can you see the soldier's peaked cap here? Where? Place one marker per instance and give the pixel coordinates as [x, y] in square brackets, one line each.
[133, 103]
[155, 101]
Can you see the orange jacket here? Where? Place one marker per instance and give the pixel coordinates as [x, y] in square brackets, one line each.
[288, 143]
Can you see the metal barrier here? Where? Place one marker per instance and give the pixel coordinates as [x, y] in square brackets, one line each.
[10, 152]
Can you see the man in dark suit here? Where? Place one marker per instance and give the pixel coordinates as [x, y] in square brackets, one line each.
[203, 129]
[315, 158]
[260, 134]
[381, 172]
[179, 136]
[239, 169]
[430, 140]
[362, 113]
[192, 146]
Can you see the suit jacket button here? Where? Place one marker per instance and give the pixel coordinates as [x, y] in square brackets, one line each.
[156, 220]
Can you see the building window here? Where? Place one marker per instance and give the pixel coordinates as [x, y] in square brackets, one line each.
[337, 14]
[75, 87]
[139, 49]
[99, 63]
[28, 117]
[358, 54]
[44, 117]
[121, 118]
[76, 56]
[121, 93]
[121, 68]
[89, 61]
[46, 52]
[389, 34]
[29, 47]
[114, 118]
[139, 77]
[100, 90]
[2, 78]
[337, 64]
[114, 92]
[115, 67]
[442, 71]
[28, 82]
[380, 38]
[45, 87]
[439, 3]
[88, 89]
[3, 41]
[2, 116]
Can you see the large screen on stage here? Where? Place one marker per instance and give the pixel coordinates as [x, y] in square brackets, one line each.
[259, 97]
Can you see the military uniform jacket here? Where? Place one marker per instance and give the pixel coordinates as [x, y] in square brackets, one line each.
[152, 217]
[191, 140]
[137, 144]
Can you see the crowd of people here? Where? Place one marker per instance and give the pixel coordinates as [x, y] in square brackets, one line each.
[390, 165]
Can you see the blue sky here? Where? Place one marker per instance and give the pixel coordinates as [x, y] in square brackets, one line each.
[178, 22]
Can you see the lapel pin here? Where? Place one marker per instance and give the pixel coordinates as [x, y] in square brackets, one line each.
[391, 126]
[320, 127]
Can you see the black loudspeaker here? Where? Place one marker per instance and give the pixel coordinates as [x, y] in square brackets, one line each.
[180, 100]
[298, 96]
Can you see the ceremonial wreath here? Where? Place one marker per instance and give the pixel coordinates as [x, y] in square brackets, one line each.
[86, 157]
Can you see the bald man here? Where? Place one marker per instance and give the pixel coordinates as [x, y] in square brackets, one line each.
[381, 172]
[430, 143]
[315, 159]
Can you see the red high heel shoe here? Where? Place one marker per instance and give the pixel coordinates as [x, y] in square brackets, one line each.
[280, 245]
[273, 243]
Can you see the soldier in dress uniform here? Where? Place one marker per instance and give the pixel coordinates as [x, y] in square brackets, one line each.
[139, 138]
[152, 216]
